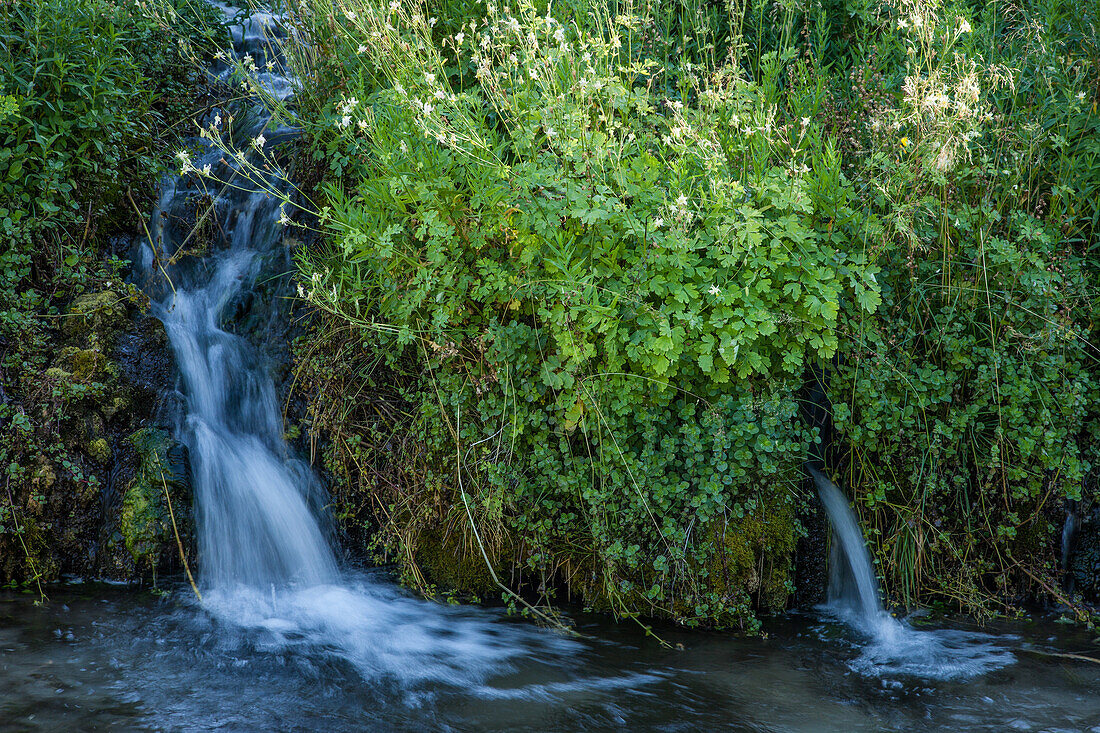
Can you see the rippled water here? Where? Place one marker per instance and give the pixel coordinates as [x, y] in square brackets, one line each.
[104, 657]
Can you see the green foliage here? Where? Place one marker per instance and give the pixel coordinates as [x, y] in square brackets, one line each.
[612, 294]
[967, 404]
[91, 94]
[599, 254]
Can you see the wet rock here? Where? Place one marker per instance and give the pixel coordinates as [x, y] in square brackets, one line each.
[145, 524]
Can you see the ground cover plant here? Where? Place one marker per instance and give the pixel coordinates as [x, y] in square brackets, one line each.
[580, 262]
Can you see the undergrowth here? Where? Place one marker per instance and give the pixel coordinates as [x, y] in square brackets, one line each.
[580, 261]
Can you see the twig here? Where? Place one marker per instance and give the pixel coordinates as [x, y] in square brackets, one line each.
[176, 532]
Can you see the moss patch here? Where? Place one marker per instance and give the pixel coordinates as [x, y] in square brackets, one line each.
[145, 523]
[97, 317]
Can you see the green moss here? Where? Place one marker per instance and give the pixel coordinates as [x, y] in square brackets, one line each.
[95, 317]
[145, 524]
[100, 450]
[754, 555]
[448, 563]
[57, 374]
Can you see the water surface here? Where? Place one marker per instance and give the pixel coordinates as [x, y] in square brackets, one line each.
[107, 657]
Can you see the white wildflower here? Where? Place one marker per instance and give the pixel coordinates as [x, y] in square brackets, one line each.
[559, 35]
[714, 290]
[658, 223]
[258, 143]
[362, 49]
[459, 38]
[964, 26]
[429, 78]
[404, 147]
[206, 170]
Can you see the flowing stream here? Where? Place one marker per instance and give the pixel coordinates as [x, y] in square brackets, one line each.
[285, 638]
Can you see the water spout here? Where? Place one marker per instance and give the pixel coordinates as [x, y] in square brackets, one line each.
[891, 646]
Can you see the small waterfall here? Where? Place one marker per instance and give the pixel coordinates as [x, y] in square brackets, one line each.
[852, 582]
[266, 564]
[892, 646]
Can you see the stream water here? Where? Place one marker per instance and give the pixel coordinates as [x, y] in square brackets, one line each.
[285, 638]
[104, 657]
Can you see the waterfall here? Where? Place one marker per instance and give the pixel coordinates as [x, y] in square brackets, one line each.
[266, 565]
[891, 646]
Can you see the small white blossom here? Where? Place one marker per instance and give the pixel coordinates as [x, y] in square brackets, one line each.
[658, 223]
[430, 78]
[964, 26]
[206, 170]
[550, 132]
[258, 143]
[350, 14]
[714, 290]
[217, 121]
[559, 35]
[459, 38]
[362, 49]
[404, 147]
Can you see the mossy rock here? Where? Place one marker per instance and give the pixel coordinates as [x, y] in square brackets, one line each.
[447, 562]
[95, 317]
[754, 555]
[57, 374]
[145, 522]
[25, 555]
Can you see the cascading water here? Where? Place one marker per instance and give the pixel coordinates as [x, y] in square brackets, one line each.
[266, 564]
[893, 646]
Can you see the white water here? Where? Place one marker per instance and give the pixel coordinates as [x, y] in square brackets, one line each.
[892, 646]
[266, 563]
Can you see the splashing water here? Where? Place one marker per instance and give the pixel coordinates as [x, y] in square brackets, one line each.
[893, 647]
[267, 566]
